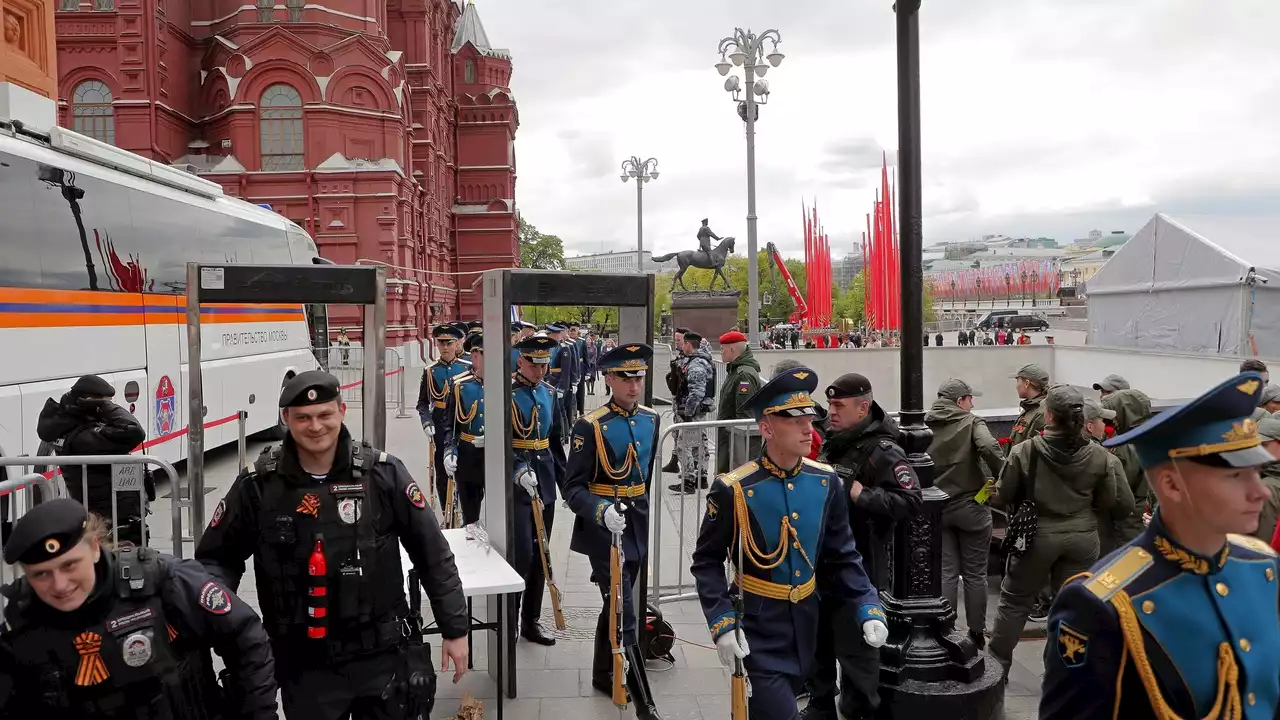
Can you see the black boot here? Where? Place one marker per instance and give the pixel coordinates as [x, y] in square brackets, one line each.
[638, 682]
[683, 488]
[532, 632]
[602, 658]
[820, 709]
[673, 465]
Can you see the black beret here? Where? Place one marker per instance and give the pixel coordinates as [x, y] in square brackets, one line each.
[474, 341]
[50, 530]
[849, 385]
[692, 337]
[93, 385]
[312, 387]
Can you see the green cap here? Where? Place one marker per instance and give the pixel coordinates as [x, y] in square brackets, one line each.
[1094, 410]
[1269, 428]
[955, 388]
[1034, 373]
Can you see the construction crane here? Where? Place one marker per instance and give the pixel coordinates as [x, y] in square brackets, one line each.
[801, 314]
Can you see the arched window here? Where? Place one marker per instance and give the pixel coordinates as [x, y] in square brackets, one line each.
[280, 128]
[469, 71]
[92, 112]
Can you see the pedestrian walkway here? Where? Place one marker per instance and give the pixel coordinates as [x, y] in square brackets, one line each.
[554, 683]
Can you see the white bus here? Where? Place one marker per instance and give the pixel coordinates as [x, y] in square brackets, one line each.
[94, 243]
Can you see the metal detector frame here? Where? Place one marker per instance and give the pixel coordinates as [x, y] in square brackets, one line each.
[210, 284]
[633, 295]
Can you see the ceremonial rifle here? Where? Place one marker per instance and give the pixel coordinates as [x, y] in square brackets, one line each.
[739, 689]
[544, 552]
[616, 558]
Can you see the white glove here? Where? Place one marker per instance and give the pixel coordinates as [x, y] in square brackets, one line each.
[559, 394]
[732, 646]
[528, 481]
[451, 463]
[575, 386]
[478, 442]
[875, 632]
[613, 520]
[430, 431]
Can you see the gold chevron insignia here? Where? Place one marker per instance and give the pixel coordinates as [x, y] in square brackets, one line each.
[632, 348]
[1248, 387]
[800, 375]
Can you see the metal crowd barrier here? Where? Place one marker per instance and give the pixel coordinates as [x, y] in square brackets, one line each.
[347, 364]
[659, 489]
[9, 487]
[124, 479]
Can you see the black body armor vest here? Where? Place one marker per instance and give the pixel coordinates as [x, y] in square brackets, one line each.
[365, 602]
[133, 664]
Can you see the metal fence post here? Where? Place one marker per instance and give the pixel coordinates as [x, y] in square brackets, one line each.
[242, 442]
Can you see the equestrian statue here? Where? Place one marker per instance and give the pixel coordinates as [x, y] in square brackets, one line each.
[705, 257]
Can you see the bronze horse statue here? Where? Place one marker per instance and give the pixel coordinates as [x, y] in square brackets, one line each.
[700, 259]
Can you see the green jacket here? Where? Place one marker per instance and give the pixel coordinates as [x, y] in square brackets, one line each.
[741, 380]
[1070, 483]
[961, 444]
[1132, 408]
[1271, 506]
[1030, 422]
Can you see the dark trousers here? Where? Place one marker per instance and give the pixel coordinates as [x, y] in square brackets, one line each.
[582, 395]
[441, 477]
[600, 576]
[840, 643]
[471, 495]
[348, 690]
[527, 561]
[773, 695]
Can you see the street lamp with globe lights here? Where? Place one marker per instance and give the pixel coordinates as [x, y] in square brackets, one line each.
[746, 49]
[1035, 278]
[643, 171]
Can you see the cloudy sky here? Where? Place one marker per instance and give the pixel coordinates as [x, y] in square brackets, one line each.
[1041, 117]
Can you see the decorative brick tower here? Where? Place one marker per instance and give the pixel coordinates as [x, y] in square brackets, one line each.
[352, 118]
[484, 209]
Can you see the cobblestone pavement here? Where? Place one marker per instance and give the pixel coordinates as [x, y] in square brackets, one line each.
[555, 683]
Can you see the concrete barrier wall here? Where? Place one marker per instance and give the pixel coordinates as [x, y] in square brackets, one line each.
[1165, 376]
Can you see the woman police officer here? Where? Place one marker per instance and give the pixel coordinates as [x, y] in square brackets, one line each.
[95, 633]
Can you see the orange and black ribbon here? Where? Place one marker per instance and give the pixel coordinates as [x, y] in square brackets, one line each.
[92, 669]
[310, 505]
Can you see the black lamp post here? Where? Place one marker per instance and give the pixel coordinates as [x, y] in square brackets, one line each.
[1008, 289]
[927, 669]
[1035, 278]
[1024, 288]
[977, 285]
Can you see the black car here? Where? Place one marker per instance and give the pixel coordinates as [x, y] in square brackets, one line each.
[1026, 322]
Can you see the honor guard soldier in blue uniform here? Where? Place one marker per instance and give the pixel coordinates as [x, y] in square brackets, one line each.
[611, 456]
[473, 327]
[464, 437]
[783, 520]
[434, 393]
[535, 431]
[580, 369]
[324, 516]
[1182, 621]
[92, 633]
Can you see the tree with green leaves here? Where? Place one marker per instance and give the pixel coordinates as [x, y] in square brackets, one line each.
[539, 251]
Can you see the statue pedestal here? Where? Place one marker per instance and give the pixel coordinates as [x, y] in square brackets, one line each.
[28, 63]
[708, 313]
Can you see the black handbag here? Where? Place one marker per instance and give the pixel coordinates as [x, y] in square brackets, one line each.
[1020, 535]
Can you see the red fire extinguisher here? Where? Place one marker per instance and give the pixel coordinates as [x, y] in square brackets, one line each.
[318, 591]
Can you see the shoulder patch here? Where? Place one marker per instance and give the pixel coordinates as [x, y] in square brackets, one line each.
[415, 496]
[596, 414]
[383, 457]
[1115, 575]
[739, 473]
[218, 513]
[819, 465]
[1072, 645]
[462, 377]
[214, 598]
[902, 473]
[1251, 543]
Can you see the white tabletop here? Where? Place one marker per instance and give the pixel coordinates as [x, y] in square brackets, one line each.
[483, 569]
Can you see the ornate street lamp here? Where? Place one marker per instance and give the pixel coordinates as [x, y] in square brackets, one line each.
[746, 49]
[643, 171]
[1024, 288]
[1035, 278]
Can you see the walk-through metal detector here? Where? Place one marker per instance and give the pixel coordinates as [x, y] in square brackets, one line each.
[633, 296]
[303, 284]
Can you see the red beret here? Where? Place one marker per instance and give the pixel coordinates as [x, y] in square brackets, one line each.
[733, 336]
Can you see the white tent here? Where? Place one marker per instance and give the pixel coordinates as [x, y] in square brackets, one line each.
[1192, 284]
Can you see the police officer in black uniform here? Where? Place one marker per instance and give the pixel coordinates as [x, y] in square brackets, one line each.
[322, 516]
[93, 633]
[861, 443]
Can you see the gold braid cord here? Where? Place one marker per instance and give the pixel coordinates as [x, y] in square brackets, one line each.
[1226, 705]
[436, 395]
[629, 460]
[759, 558]
[464, 419]
[521, 430]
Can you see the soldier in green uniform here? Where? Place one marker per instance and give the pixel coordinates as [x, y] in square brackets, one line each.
[1269, 431]
[1068, 478]
[1111, 531]
[741, 380]
[1132, 408]
[1032, 381]
[1183, 621]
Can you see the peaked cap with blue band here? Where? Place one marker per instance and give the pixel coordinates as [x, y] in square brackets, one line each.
[537, 348]
[449, 331]
[785, 394]
[474, 341]
[553, 327]
[1214, 426]
[627, 360]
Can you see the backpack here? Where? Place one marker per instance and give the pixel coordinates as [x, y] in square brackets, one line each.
[1020, 535]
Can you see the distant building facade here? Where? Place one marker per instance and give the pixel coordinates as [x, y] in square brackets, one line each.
[616, 262]
[386, 129]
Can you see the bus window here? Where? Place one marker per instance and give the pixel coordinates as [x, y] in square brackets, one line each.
[20, 233]
[318, 327]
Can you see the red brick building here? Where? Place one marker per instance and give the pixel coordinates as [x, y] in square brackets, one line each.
[384, 128]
